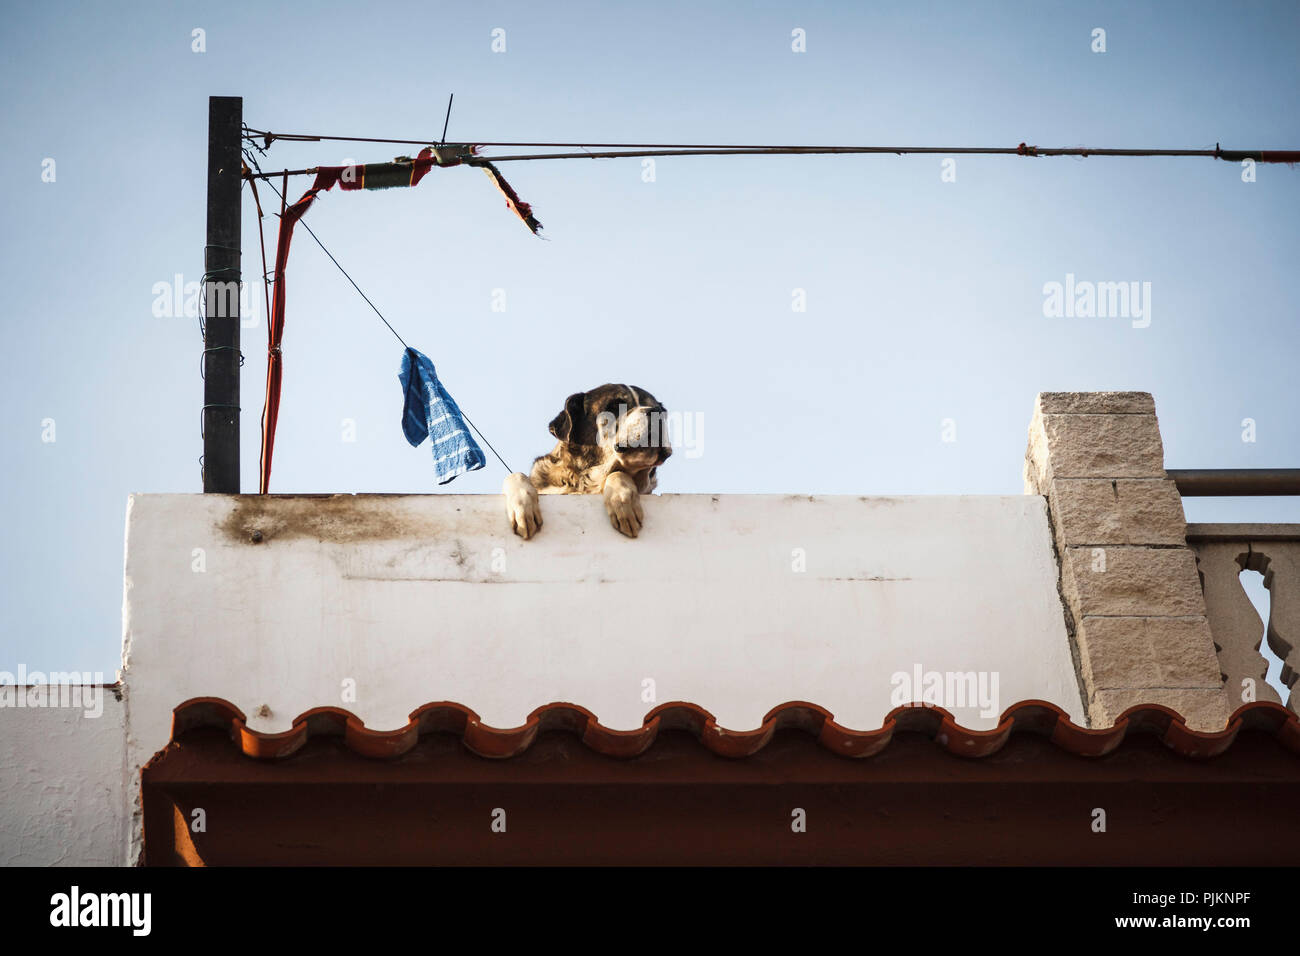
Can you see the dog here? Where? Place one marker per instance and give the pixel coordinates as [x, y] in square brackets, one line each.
[611, 441]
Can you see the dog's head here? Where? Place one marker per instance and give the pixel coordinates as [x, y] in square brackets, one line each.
[627, 424]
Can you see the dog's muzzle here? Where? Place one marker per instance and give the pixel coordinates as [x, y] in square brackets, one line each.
[644, 430]
[661, 451]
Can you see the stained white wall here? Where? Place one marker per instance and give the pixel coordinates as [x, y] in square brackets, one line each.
[430, 597]
[62, 773]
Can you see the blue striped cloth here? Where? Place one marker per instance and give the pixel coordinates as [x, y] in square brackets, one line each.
[429, 412]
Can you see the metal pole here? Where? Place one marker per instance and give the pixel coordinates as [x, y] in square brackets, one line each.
[1210, 482]
[221, 291]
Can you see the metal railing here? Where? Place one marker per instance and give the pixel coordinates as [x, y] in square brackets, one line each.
[1208, 482]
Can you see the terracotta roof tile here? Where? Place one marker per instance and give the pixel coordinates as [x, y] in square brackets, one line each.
[1030, 716]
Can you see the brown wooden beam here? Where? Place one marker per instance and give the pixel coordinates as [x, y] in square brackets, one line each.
[1030, 803]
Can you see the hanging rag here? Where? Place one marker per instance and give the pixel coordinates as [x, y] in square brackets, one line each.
[513, 202]
[429, 412]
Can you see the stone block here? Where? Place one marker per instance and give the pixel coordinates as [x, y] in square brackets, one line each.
[1203, 710]
[1096, 403]
[1148, 652]
[1095, 446]
[1135, 582]
[1138, 511]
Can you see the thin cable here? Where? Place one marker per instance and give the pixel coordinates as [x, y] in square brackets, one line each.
[1023, 150]
[311, 138]
[849, 150]
[1268, 156]
[354, 285]
[261, 234]
[266, 286]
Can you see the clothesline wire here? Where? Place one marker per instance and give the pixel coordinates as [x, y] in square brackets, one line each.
[1040, 151]
[1267, 156]
[382, 319]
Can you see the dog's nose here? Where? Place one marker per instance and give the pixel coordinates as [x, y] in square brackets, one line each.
[664, 452]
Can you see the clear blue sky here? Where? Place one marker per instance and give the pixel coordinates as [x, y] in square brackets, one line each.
[924, 297]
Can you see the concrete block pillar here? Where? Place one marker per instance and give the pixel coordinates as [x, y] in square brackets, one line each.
[1129, 586]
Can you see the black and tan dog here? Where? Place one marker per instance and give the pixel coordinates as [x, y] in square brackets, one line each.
[612, 440]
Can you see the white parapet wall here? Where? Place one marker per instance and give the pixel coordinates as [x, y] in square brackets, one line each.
[63, 787]
[737, 603]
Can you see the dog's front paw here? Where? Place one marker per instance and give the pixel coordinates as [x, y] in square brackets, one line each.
[521, 505]
[623, 504]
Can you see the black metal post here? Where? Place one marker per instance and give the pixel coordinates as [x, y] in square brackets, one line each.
[221, 290]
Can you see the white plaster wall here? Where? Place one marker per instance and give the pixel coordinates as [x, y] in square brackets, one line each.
[62, 792]
[430, 597]
[399, 594]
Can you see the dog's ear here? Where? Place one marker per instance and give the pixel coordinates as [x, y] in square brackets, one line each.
[562, 425]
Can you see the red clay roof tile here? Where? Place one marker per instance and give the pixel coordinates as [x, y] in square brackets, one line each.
[1030, 716]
